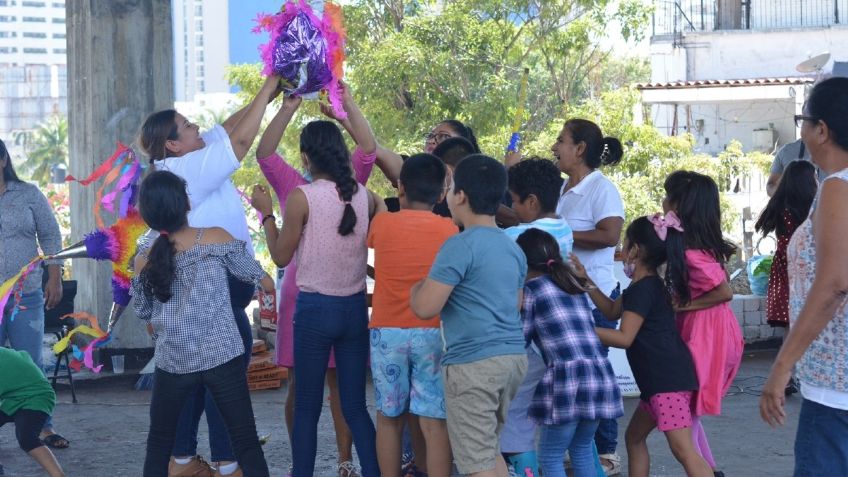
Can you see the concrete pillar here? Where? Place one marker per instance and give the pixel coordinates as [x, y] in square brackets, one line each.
[120, 69]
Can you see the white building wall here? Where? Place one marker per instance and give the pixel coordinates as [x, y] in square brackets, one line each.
[201, 47]
[714, 125]
[740, 54]
[33, 71]
[32, 32]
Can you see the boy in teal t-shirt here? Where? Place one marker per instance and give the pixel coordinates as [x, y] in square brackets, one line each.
[475, 284]
[534, 186]
[27, 400]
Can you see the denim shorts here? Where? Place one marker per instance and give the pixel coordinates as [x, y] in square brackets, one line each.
[406, 371]
[821, 441]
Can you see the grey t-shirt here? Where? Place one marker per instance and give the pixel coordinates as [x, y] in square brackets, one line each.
[794, 151]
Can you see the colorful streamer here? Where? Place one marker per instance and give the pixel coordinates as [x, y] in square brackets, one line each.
[13, 288]
[84, 356]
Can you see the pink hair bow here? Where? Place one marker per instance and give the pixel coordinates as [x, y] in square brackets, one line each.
[662, 224]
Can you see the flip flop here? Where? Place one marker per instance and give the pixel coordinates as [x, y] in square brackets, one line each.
[56, 441]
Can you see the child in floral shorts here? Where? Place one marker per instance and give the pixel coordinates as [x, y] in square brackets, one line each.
[406, 351]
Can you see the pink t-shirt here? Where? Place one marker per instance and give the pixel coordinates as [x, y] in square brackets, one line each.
[329, 263]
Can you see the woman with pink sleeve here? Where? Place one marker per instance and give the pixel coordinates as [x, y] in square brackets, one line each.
[283, 178]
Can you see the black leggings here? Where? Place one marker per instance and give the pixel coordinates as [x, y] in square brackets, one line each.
[28, 425]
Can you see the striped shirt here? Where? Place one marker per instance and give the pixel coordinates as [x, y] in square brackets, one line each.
[196, 330]
[27, 223]
[579, 382]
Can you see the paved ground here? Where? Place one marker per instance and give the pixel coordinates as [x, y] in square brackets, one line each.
[108, 428]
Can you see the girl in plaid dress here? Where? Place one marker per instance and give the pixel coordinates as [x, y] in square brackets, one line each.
[578, 388]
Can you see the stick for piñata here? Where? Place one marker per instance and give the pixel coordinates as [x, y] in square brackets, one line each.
[515, 138]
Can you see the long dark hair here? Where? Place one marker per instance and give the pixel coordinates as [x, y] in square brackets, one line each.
[794, 194]
[828, 102]
[655, 252]
[543, 256]
[463, 131]
[324, 145]
[158, 129]
[600, 150]
[695, 199]
[9, 174]
[164, 206]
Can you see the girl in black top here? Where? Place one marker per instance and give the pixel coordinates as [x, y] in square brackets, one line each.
[660, 360]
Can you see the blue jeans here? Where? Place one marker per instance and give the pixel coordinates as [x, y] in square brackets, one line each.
[26, 331]
[606, 439]
[228, 385]
[577, 438]
[821, 442]
[200, 400]
[322, 322]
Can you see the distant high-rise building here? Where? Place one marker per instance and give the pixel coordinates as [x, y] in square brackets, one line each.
[33, 67]
[201, 47]
[33, 58]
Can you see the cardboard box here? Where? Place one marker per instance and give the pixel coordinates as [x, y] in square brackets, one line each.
[273, 384]
[259, 346]
[267, 374]
[263, 360]
[267, 311]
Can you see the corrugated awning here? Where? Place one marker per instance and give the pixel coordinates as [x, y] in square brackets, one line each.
[726, 83]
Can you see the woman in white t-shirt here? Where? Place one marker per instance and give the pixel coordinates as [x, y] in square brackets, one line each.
[592, 206]
[207, 162]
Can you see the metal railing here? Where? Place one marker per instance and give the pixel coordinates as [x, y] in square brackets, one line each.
[676, 17]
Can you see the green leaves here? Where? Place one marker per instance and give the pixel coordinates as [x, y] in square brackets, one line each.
[46, 147]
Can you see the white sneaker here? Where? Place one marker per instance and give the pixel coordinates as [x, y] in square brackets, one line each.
[611, 463]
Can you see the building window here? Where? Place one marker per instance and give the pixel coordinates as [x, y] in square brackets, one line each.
[59, 20]
[199, 40]
[4, 3]
[59, 35]
[35, 50]
[33, 34]
[60, 51]
[58, 5]
[28, 3]
[199, 56]
[4, 49]
[8, 34]
[201, 72]
[198, 24]
[7, 19]
[35, 19]
[198, 10]
[201, 85]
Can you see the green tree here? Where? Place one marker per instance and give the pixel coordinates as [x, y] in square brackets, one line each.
[47, 147]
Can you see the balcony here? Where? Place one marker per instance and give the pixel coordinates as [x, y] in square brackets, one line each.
[674, 18]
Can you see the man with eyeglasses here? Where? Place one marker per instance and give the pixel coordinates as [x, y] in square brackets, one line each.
[794, 151]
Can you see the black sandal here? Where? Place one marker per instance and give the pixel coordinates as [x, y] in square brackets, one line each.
[56, 441]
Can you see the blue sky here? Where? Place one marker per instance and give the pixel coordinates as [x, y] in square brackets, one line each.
[243, 43]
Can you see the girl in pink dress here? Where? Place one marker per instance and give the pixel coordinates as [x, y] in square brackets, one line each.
[698, 280]
[284, 178]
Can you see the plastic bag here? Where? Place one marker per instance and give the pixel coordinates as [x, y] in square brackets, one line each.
[759, 270]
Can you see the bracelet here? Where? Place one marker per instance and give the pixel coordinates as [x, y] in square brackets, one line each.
[269, 216]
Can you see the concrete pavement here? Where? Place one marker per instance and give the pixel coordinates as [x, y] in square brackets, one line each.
[108, 429]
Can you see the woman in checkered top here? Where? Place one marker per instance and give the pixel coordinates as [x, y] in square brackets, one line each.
[579, 387]
[197, 343]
